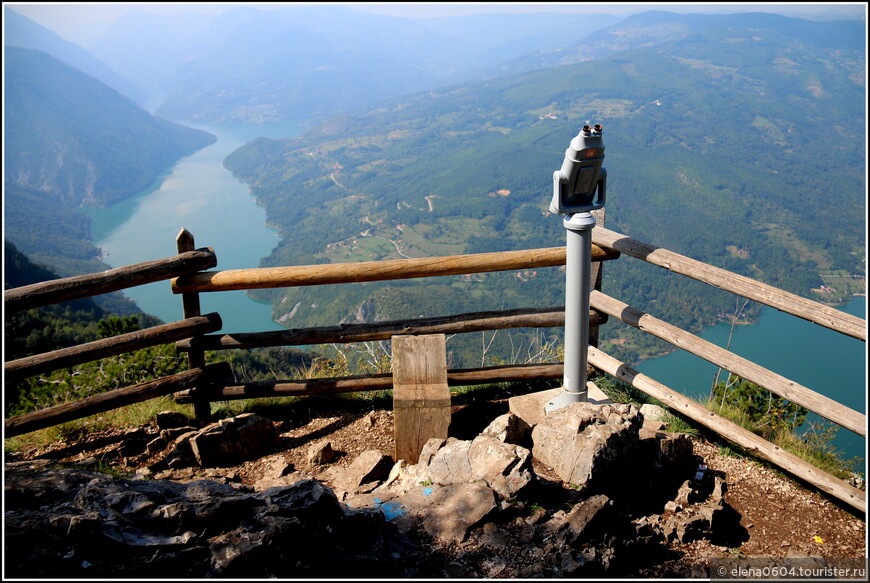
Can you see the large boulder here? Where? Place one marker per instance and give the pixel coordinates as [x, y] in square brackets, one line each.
[586, 444]
[230, 441]
[222, 444]
[101, 527]
[510, 428]
[453, 510]
[503, 467]
[565, 527]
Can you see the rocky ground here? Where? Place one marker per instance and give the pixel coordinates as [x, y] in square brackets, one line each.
[767, 513]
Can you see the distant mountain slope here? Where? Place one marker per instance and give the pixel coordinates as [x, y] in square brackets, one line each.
[19, 271]
[682, 34]
[47, 232]
[749, 157]
[79, 141]
[20, 31]
[497, 37]
[294, 62]
[154, 48]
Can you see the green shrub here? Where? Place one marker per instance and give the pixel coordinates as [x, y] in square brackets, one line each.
[766, 414]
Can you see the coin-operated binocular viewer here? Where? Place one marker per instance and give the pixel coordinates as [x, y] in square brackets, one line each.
[579, 187]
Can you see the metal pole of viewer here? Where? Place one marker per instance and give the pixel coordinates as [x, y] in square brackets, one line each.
[578, 273]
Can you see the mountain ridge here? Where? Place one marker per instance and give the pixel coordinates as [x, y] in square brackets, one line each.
[20, 31]
[658, 28]
[256, 66]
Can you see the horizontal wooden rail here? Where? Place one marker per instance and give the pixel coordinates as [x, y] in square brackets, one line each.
[730, 430]
[377, 382]
[93, 284]
[503, 374]
[331, 273]
[301, 388]
[785, 388]
[743, 286]
[217, 373]
[103, 348]
[348, 333]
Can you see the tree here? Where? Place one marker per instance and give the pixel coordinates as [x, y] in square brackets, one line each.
[115, 326]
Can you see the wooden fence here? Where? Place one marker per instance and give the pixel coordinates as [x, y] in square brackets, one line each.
[201, 385]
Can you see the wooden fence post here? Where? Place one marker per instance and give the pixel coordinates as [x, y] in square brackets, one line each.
[196, 355]
[421, 397]
[597, 268]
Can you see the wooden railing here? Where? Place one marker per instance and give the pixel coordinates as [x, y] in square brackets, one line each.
[83, 286]
[94, 284]
[743, 286]
[202, 384]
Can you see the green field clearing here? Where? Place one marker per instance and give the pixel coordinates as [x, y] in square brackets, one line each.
[843, 282]
[447, 237]
[604, 107]
[785, 237]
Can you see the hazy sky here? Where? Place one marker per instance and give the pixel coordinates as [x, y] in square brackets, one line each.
[83, 22]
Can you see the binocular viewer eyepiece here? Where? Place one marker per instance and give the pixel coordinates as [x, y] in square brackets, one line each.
[580, 185]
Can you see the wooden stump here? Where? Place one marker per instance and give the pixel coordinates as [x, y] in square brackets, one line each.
[421, 397]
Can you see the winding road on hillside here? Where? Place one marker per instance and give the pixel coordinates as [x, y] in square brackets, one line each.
[334, 177]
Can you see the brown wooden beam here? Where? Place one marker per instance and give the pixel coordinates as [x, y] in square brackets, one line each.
[369, 332]
[379, 382]
[331, 273]
[421, 397]
[93, 284]
[743, 286]
[785, 388]
[184, 242]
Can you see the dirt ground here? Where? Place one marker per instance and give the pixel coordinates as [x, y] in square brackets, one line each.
[782, 517]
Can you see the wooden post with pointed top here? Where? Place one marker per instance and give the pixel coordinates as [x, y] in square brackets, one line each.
[421, 397]
[196, 356]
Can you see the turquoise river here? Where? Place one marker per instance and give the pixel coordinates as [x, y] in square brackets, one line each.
[202, 196]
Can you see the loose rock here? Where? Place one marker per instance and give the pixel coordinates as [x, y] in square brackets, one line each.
[321, 453]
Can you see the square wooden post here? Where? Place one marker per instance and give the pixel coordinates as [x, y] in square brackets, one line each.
[421, 398]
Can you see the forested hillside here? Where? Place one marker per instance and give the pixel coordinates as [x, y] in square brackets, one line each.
[737, 145]
[79, 141]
